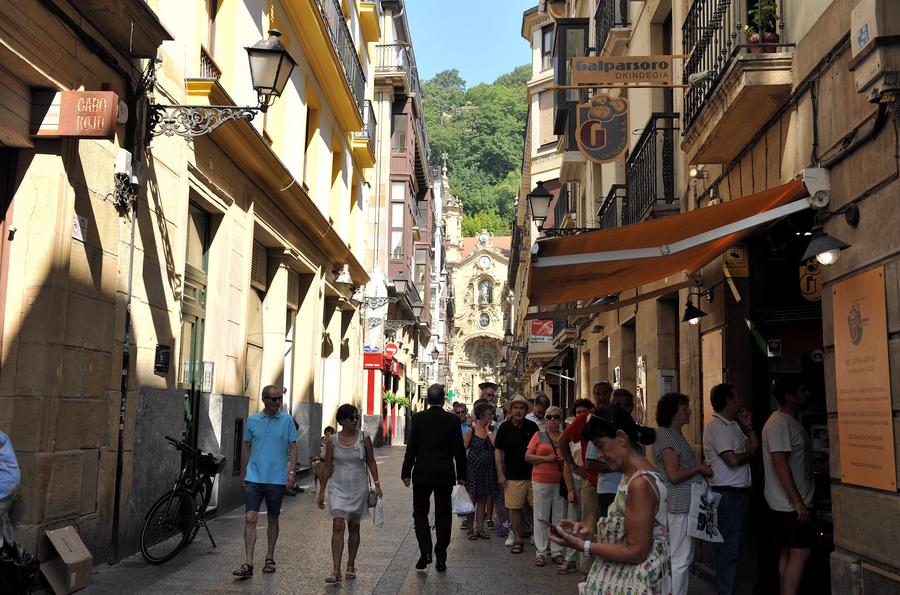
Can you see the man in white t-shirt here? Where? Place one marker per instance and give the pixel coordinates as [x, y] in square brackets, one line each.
[539, 406]
[789, 487]
[729, 443]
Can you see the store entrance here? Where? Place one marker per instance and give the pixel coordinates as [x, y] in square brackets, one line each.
[785, 322]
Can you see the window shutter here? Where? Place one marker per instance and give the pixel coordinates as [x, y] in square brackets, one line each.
[546, 122]
[258, 267]
[293, 290]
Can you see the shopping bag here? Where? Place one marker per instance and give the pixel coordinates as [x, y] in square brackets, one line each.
[462, 504]
[378, 514]
[702, 517]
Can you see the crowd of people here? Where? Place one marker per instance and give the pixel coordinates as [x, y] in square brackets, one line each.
[583, 490]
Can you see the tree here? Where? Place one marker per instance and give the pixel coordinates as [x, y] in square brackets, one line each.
[489, 220]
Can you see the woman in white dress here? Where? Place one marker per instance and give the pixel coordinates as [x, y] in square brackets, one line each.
[348, 458]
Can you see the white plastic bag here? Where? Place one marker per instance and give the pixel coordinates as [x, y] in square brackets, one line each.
[378, 514]
[462, 504]
[703, 516]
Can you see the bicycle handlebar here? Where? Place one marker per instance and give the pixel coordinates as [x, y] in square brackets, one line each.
[181, 445]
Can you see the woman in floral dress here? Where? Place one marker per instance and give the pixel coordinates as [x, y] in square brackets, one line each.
[631, 543]
[482, 473]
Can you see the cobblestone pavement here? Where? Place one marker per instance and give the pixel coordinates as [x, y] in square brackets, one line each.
[385, 563]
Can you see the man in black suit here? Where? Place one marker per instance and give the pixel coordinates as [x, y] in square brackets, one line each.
[434, 442]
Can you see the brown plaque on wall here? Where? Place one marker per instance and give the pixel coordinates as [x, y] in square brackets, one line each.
[74, 114]
[863, 382]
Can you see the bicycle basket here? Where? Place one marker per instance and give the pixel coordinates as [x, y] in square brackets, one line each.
[211, 464]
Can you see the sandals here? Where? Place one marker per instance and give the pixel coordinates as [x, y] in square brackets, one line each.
[482, 535]
[539, 560]
[245, 571]
[472, 536]
[567, 568]
[351, 572]
[517, 548]
[558, 560]
[269, 566]
[489, 523]
[334, 577]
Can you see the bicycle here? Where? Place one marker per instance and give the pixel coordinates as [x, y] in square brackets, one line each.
[176, 517]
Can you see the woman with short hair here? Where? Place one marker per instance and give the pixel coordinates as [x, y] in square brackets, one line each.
[348, 458]
[676, 463]
[481, 472]
[630, 544]
[546, 475]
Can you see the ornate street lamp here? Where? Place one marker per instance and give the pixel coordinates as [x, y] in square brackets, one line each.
[539, 200]
[270, 68]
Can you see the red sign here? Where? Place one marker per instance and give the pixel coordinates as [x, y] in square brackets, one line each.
[541, 331]
[391, 349]
[373, 361]
[74, 114]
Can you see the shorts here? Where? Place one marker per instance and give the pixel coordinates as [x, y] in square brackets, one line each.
[516, 493]
[791, 533]
[255, 492]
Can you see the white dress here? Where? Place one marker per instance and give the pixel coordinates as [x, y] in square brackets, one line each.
[348, 486]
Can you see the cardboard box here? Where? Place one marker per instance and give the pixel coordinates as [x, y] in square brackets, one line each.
[72, 570]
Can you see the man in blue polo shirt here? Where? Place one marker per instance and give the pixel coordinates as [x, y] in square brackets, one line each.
[267, 469]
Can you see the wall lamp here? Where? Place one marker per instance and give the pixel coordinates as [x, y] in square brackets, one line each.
[698, 172]
[823, 247]
[270, 68]
[692, 313]
[342, 275]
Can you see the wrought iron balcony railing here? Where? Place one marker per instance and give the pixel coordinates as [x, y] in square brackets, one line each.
[343, 44]
[208, 67]
[712, 35]
[650, 169]
[369, 124]
[610, 14]
[610, 213]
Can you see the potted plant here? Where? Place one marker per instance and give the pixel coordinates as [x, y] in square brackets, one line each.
[760, 28]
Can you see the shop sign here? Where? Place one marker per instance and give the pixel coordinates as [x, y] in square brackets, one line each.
[391, 349]
[74, 114]
[608, 71]
[863, 382]
[811, 282]
[373, 361]
[735, 263]
[541, 331]
[602, 128]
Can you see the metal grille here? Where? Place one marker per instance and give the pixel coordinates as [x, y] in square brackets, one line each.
[293, 290]
[369, 123]
[650, 169]
[610, 213]
[345, 48]
[258, 267]
[208, 68]
[610, 14]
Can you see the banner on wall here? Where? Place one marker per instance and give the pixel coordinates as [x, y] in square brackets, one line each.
[541, 331]
[863, 382]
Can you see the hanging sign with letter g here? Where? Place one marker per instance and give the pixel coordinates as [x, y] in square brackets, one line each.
[602, 128]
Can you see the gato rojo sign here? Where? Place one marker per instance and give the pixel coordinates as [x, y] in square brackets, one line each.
[603, 71]
[602, 132]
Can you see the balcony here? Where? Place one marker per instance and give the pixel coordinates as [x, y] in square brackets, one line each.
[342, 41]
[610, 213]
[364, 140]
[650, 171]
[208, 67]
[370, 13]
[392, 66]
[564, 209]
[612, 26]
[745, 83]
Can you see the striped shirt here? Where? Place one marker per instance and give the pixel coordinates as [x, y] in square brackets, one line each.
[679, 493]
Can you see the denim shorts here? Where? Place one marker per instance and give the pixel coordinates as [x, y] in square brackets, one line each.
[255, 492]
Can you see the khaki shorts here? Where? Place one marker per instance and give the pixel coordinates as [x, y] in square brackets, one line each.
[516, 493]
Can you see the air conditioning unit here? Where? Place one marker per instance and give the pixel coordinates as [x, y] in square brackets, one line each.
[875, 47]
[258, 267]
[293, 290]
[668, 382]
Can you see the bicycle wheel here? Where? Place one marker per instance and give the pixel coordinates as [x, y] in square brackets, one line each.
[201, 502]
[167, 526]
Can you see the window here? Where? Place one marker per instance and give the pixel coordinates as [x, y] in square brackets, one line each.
[398, 191]
[484, 320]
[421, 262]
[397, 209]
[398, 133]
[212, 9]
[312, 126]
[396, 245]
[486, 291]
[545, 130]
[547, 47]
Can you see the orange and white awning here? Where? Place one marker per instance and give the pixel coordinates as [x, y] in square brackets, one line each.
[600, 263]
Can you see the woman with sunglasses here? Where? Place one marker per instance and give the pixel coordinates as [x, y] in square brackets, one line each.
[631, 543]
[546, 475]
[348, 459]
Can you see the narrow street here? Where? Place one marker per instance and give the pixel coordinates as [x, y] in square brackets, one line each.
[385, 563]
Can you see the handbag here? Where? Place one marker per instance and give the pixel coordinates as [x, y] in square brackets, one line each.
[702, 519]
[544, 438]
[378, 514]
[371, 497]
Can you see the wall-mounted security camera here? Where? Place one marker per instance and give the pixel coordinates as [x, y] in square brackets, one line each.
[818, 184]
[123, 164]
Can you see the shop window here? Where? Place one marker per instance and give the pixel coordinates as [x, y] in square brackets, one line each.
[396, 245]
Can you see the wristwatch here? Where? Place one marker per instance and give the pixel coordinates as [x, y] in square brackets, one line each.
[586, 548]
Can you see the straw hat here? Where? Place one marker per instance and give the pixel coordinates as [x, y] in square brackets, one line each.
[515, 400]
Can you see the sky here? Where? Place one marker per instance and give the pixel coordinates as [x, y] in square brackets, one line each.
[480, 38]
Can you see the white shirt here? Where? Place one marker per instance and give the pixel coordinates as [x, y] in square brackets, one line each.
[722, 435]
[541, 424]
[783, 433]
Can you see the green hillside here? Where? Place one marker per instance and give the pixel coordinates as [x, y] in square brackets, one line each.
[482, 130]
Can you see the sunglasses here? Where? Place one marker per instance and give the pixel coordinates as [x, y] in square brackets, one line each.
[461, 412]
[552, 417]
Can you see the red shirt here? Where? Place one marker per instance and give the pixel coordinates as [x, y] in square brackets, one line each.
[544, 472]
[574, 433]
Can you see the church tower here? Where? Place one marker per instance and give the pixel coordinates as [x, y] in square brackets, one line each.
[453, 216]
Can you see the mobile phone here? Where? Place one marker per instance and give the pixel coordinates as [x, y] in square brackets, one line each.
[553, 528]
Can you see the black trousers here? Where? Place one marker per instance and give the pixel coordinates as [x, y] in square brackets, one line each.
[443, 517]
